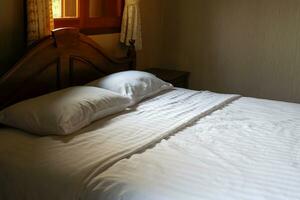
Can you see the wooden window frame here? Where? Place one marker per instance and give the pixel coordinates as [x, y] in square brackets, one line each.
[93, 25]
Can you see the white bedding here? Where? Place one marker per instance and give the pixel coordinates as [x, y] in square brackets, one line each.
[71, 167]
[249, 150]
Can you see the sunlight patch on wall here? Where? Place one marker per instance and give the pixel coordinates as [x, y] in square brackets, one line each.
[57, 8]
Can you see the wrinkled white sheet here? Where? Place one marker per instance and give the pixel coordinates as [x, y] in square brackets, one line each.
[69, 167]
[249, 150]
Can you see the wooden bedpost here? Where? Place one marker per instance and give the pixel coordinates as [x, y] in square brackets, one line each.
[131, 54]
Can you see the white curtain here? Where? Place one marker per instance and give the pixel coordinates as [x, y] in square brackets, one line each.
[39, 19]
[131, 24]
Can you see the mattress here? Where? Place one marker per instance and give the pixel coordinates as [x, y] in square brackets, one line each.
[69, 167]
[179, 145]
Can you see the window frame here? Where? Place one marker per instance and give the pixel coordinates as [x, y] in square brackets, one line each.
[93, 25]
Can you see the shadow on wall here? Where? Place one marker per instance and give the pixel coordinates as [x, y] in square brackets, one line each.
[12, 33]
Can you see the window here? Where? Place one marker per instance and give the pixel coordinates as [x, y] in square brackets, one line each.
[91, 16]
[65, 8]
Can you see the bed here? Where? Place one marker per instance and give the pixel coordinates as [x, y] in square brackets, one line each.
[179, 144]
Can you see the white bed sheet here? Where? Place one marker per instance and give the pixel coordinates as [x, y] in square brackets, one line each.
[68, 167]
[249, 150]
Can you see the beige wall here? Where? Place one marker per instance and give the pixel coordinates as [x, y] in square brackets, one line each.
[110, 43]
[152, 30]
[251, 47]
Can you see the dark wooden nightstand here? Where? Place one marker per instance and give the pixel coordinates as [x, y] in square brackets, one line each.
[177, 78]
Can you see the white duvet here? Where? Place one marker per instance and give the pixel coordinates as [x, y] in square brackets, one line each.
[249, 150]
[72, 167]
[180, 145]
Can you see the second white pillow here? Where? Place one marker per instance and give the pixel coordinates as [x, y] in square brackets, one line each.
[136, 85]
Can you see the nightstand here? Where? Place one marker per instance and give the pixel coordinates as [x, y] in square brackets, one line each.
[177, 78]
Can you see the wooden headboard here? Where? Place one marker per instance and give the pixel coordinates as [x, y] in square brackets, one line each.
[67, 58]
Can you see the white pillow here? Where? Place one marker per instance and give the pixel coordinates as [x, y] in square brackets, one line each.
[136, 85]
[63, 112]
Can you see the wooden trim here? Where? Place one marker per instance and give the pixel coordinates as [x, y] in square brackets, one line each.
[63, 5]
[83, 12]
[95, 31]
[94, 22]
[67, 22]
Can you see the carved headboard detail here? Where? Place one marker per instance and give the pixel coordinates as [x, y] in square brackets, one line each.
[67, 58]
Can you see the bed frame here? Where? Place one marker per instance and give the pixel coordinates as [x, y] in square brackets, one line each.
[67, 58]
